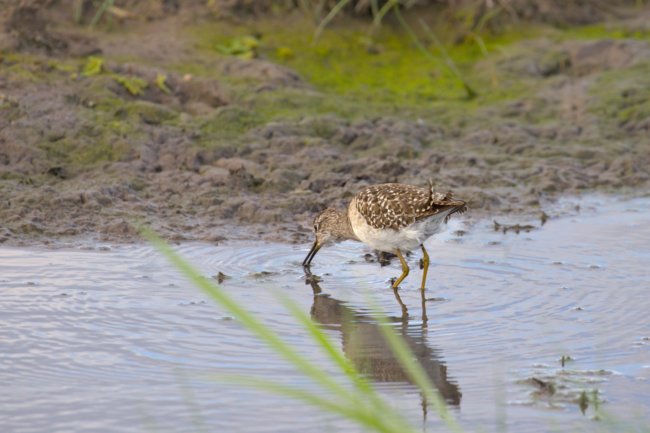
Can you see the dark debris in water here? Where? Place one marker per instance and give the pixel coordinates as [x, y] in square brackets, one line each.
[190, 303]
[544, 387]
[565, 359]
[221, 277]
[589, 398]
[517, 228]
[380, 257]
[543, 218]
[583, 402]
[262, 274]
[563, 388]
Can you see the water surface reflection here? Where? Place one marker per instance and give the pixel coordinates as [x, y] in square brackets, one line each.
[365, 346]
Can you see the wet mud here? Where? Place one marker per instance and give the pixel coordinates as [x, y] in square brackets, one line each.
[99, 134]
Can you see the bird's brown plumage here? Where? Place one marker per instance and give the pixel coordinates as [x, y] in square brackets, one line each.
[395, 205]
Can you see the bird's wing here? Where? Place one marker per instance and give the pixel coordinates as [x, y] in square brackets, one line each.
[395, 205]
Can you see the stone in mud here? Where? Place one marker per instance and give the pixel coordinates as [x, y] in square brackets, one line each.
[34, 226]
[553, 62]
[322, 126]
[215, 176]
[546, 58]
[241, 178]
[605, 54]
[277, 129]
[151, 113]
[263, 71]
[234, 165]
[285, 179]
[120, 229]
[345, 136]
[5, 234]
[208, 92]
[324, 182]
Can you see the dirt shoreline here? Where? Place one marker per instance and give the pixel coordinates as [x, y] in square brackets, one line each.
[83, 157]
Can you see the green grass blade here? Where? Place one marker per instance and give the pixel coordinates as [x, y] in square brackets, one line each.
[248, 320]
[100, 12]
[325, 342]
[471, 93]
[379, 16]
[363, 386]
[416, 373]
[77, 10]
[353, 404]
[330, 16]
[358, 413]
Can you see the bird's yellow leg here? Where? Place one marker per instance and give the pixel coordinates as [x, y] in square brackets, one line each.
[425, 265]
[405, 269]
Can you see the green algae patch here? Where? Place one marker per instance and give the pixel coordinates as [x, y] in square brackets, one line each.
[358, 75]
[161, 83]
[29, 68]
[345, 60]
[134, 85]
[84, 152]
[244, 47]
[603, 31]
[94, 66]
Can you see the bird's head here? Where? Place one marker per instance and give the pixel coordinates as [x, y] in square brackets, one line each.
[451, 205]
[330, 226]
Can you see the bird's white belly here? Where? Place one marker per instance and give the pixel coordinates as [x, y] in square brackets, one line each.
[389, 240]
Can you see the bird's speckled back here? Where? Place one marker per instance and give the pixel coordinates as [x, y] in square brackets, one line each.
[395, 205]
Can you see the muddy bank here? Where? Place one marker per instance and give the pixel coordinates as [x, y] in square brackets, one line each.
[98, 131]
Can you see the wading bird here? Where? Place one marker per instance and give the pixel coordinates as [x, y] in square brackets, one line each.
[390, 217]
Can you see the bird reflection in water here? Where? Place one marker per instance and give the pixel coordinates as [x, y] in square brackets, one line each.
[365, 346]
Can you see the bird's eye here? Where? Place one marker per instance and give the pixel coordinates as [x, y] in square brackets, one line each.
[315, 227]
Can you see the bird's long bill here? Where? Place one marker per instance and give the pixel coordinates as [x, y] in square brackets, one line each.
[312, 253]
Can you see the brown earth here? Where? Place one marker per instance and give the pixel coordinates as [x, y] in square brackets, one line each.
[269, 180]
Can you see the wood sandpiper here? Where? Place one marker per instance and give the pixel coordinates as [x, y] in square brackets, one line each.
[390, 217]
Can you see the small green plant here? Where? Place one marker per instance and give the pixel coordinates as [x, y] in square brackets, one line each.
[94, 66]
[133, 85]
[161, 83]
[244, 47]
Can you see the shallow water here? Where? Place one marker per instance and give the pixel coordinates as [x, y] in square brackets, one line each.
[113, 339]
